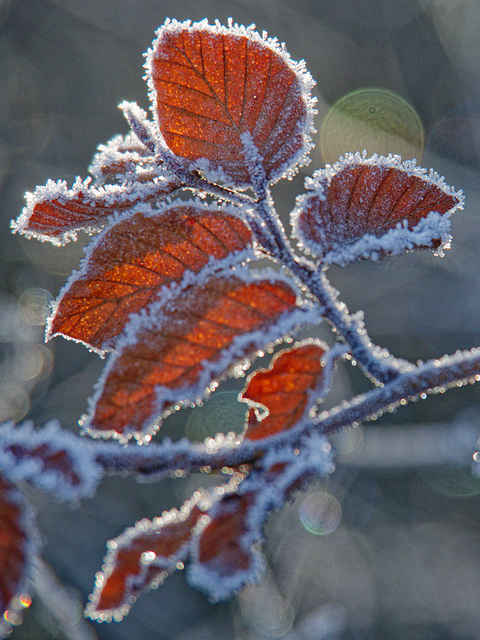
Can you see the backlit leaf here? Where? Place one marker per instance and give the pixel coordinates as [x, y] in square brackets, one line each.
[285, 391]
[17, 533]
[143, 556]
[134, 258]
[368, 208]
[54, 212]
[188, 338]
[211, 84]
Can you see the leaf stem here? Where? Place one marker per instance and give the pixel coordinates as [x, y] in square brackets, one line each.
[376, 362]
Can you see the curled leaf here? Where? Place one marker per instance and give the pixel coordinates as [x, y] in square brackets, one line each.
[50, 458]
[124, 158]
[211, 85]
[143, 556]
[368, 208]
[188, 338]
[129, 263]
[55, 212]
[280, 396]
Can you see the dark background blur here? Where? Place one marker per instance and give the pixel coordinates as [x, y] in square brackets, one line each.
[396, 552]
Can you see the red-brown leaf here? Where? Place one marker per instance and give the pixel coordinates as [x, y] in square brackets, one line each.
[14, 541]
[220, 547]
[140, 556]
[178, 353]
[133, 259]
[360, 197]
[283, 390]
[55, 212]
[213, 84]
[225, 557]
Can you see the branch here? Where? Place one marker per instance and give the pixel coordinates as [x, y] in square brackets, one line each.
[375, 361]
[179, 458]
[431, 377]
[225, 452]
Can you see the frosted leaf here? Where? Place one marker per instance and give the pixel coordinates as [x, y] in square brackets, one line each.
[224, 559]
[371, 207]
[143, 556]
[130, 261]
[125, 158]
[280, 396]
[55, 212]
[209, 84]
[51, 459]
[225, 556]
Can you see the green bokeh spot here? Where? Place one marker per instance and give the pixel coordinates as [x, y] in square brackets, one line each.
[375, 120]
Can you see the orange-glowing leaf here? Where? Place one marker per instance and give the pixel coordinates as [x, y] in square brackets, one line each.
[134, 258]
[143, 556]
[211, 86]
[368, 208]
[17, 539]
[189, 337]
[286, 390]
[55, 212]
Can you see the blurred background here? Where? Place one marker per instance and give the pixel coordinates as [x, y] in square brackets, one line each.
[389, 545]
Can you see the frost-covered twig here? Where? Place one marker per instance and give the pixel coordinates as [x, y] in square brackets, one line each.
[431, 377]
[173, 288]
[375, 361]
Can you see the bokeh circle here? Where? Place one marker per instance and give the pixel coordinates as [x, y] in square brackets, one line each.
[376, 120]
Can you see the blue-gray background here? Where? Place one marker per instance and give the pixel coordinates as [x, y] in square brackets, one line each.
[404, 561]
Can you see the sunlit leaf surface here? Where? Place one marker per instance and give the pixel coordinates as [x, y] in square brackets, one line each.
[211, 85]
[283, 390]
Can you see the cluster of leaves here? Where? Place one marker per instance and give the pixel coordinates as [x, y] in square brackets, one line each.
[172, 289]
